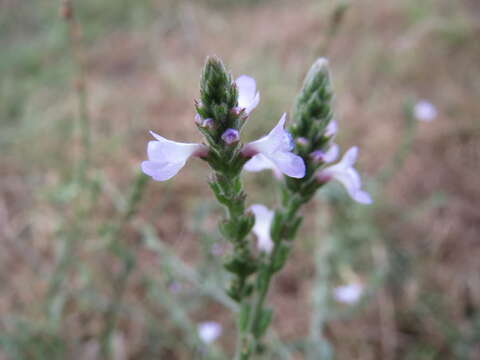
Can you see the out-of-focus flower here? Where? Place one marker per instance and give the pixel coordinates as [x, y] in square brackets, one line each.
[328, 156]
[167, 157]
[261, 229]
[348, 294]
[424, 111]
[331, 129]
[345, 173]
[175, 287]
[248, 96]
[274, 151]
[230, 136]
[209, 331]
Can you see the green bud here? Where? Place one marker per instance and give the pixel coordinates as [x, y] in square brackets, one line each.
[240, 266]
[312, 109]
[218, 96]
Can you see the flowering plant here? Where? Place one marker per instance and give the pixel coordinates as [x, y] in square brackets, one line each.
[300, 156]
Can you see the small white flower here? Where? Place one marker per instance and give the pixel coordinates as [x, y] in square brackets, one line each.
[344, 172]
[261, 229]
[424, 111]
[167, 157]
[248, 96]
[273, 151]
[209, 331]
[348, 294]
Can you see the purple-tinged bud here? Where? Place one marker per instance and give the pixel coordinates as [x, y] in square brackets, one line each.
[331, 129]
[325, 156]
[301, 141]
[317, 156]
[230, 136]
[237, 110]
[198, 120]
[208, 123]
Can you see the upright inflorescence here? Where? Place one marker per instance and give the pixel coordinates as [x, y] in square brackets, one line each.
[226, 112]
[300, 158]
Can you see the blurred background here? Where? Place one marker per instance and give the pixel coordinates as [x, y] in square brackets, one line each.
[96, 263]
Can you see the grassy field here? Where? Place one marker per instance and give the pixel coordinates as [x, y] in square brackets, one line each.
[95, 262]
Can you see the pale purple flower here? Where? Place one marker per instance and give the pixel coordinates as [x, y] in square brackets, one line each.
[331, 129]
[209, 331]
[344, 172]
[207, 123]
[348, 294]
[326, 156]
[261, 229]
[167, 157]
[260, 162]
[230, 136]
[175, 287]
[274, 151]
[424, 111]
[248, 96]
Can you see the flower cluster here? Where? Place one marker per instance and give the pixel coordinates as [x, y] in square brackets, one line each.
[300, 156]
[306, 151]
[166, 157]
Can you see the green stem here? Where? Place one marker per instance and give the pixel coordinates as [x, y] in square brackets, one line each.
[251, 338]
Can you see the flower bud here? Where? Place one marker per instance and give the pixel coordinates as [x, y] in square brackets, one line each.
[230, 136]
[208, 123]
[198, 120]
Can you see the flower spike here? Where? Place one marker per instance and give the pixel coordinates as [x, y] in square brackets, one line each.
[274, 151]
[167, 157]
[345, 173]
[248, 96]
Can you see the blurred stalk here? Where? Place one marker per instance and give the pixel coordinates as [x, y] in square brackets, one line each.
[318, 347]
[127, 258]
[403, 150]
[335, 21]
[80, 206]
[78, 59]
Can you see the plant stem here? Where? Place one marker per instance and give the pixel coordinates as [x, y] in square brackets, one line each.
[250, 339]
[127, 258]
